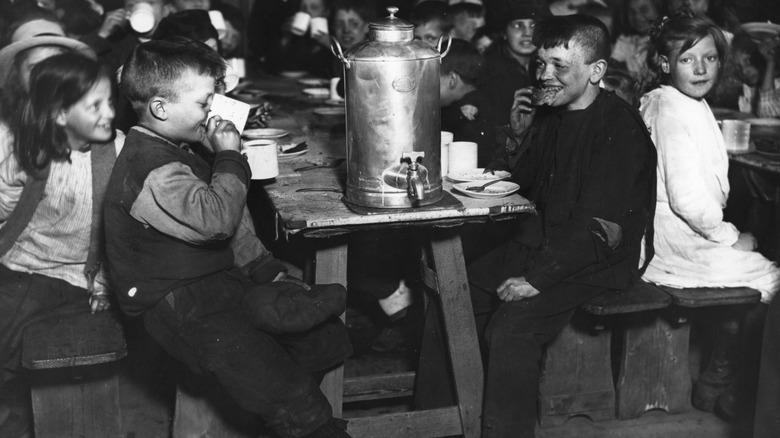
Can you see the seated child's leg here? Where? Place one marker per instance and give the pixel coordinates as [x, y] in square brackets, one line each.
[320, 349]
[25, 298]
[252, 367]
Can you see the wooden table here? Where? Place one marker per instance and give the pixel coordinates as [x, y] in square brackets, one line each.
[321, 215]
[763, 177]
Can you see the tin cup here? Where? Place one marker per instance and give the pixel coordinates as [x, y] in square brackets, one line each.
[318, 26]
[142, 17]
[736, 135]
[463, 156]
[300, 23]
[262, 157]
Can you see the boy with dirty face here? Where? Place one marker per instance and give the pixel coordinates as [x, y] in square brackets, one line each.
[587, 162]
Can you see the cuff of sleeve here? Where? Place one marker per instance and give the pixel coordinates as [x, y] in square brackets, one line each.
[233, 162]
[726, 234]
[540, 280]
[264, 269]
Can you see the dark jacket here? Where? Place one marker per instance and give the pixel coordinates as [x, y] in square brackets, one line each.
[481, 130]
[591, 174]
[141, 258]
[503, 76]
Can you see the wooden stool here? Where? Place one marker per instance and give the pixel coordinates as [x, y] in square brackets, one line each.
[75, 388]
[578, 377]
[647, 364]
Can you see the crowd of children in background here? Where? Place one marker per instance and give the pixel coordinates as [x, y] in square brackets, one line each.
[61, 62]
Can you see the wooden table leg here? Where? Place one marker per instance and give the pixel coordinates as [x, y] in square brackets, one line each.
[331, 267]
[460, 330]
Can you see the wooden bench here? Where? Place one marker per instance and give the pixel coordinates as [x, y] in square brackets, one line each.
[74, 386]
[647, 366]
[577, 372]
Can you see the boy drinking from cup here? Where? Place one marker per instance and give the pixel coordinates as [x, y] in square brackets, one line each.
[182, 250]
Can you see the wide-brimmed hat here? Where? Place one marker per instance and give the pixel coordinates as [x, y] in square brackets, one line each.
[9, 52]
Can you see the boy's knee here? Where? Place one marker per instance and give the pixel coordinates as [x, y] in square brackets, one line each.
[512, 322]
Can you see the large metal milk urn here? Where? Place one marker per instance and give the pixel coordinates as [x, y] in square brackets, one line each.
[392, 118]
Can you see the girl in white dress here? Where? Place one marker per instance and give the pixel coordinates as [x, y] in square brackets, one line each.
[694, 246]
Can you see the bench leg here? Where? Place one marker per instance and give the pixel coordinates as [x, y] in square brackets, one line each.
[654, 370]
[84, 406]
[577, 377]
[196, 416]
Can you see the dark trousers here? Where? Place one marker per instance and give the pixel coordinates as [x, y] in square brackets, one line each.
[512, 337]
[767, 419]
[205, 326]
[24, 299]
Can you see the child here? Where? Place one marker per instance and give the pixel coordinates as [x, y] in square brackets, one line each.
[467, 16]
[466, 110]
[430, 21]
[507, 63]
[350, 21]
[115, 38]
[756, 68]
[193, 24]
[230, 36]
[219, 301]
[694, 246]
[19, 58]
[307, 51]
[633, 40]
[61, 144]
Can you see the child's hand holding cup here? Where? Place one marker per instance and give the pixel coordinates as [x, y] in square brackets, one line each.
[222, 135]
[522, 113]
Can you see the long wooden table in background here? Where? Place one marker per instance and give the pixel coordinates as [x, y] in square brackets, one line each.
[322, 216]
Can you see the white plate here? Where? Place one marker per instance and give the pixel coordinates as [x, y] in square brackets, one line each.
[264, 133]
[497, 190]
[319, 93]
[292, 154]
[248, 95]
[760, 31]
[330, 111]
[313, 82]
[477, 175]
[293, 74]
[764, 121]
[335, 102]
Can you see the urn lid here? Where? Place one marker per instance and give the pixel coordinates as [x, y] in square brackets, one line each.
[391, 38]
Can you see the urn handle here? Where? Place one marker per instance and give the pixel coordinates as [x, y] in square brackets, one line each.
[441, 42]
[335, 48]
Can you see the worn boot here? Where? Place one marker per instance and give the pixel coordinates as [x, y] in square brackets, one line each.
[719, 374]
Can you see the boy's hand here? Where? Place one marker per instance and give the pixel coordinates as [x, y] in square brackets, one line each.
[745, 242]
[112, 22]
[522, 113]
[99, 303]
[515, 289]
[222, 135]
